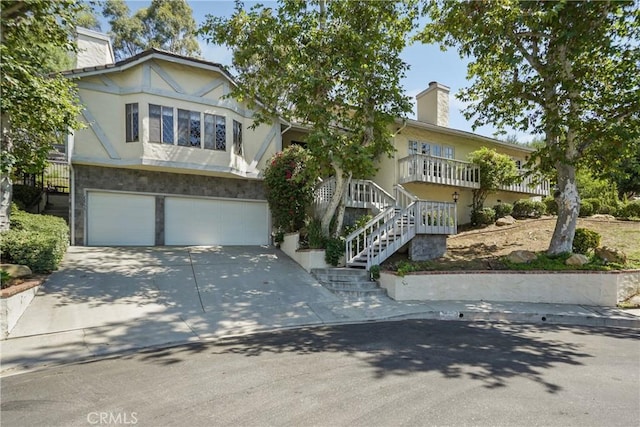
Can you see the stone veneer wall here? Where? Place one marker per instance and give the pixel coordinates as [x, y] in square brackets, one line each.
[161, 183]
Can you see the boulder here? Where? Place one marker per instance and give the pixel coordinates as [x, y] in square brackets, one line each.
[506, 220]
[611, 255]
[522, 256]
[605, 217]
[577, 259]
[16, 270]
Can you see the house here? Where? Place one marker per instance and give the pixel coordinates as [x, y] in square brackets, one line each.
[167, 159]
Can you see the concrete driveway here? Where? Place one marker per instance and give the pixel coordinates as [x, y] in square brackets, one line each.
[112, 299]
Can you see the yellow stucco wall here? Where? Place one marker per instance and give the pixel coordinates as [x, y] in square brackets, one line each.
[147, 83]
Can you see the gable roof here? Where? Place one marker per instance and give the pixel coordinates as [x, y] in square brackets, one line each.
[148, 55]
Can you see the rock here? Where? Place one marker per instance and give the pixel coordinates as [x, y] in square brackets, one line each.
[506, 220]
[16, 270]
[577, 259]
[611, 255]
[604, 217]
[521, 256]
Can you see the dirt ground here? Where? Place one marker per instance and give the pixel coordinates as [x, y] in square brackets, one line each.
[480, 249]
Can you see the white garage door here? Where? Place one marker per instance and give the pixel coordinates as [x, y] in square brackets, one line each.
[215, 222]
[115, 219]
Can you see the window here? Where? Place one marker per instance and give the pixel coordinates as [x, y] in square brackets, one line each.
[215, 132]
[448, 152]
[237, 137]
[188, 128]
[519, 164]
[131, 119]
[160, 124]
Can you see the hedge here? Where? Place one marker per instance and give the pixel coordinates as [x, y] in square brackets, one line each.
[37, 241]
[526, 208]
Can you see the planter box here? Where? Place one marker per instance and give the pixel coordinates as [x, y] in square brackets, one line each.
[13, 302]
[307, 258]
[587, 288]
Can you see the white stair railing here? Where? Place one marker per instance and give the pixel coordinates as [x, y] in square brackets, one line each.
[356, 242]
[391, 236]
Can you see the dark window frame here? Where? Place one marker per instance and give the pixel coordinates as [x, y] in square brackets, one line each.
[132, 122]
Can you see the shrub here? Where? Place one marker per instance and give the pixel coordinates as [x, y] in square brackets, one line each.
[585, 241]
[25, 196]
[334, 250]
[630, 210]
[503, 209]
[586, 208]
[37, 241]
[289, 184]
[526, 208]
[375, 272]
[550, 205]
[314, 235]
[484, 216]
[4, 279]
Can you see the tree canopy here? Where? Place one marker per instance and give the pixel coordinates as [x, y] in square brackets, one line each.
[165, 24]
[334, 67]
[567, 70]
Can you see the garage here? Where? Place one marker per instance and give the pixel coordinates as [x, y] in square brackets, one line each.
[199, 221]
[118, 219]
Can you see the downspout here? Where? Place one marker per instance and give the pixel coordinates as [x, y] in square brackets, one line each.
[72, 204]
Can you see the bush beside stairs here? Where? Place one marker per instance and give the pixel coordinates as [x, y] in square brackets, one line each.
[348, 282]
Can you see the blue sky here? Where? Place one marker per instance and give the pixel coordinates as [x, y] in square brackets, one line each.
[427, 63]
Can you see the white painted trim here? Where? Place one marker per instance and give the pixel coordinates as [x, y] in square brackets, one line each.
[146, 76]
[265, 144]
[166, 77]
[214, 84]
[97, 130]
[98, 88]
[97, 161]
[108, 82]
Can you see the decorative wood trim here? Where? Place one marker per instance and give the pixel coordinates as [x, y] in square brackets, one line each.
[265, 144]
[212, 85]
[100, 134]
[166, 77]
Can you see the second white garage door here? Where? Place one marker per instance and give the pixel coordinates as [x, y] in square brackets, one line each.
[190, 221]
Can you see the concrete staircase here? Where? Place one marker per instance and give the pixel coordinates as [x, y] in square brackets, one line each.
[57, 205]
[348, 282]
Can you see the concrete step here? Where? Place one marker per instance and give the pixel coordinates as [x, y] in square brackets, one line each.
[351, 286]
[361, 294]
[340, 274]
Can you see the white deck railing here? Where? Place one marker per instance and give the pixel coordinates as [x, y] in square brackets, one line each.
[360, 193]
[437, 170]
[530, 184]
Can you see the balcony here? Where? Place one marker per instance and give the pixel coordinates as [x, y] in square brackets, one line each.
[438, 170]
[457, 173]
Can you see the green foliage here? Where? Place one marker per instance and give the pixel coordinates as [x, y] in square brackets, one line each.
[25, 195]
[289, 184]
[627, 176]
[316, 239]
[37, 241]
[375, 272]
[164, 24]
[631, 210]
[545, 262]
[565, 70]
[331, 65]
[585, 241]
[503, 209]
[496, 169]
[526, 208]
[4, 279]
[550, 205]
[334, 251]
[586, 208]
[484, 216]
[36, 108]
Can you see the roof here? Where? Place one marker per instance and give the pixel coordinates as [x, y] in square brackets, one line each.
[148, 55]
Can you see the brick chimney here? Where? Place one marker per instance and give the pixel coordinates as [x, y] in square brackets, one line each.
[94, 49]
[433, 104]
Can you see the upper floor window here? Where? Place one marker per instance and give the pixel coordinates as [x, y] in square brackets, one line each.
[189, 128]
[237, 137]
[215, 132]
[429, 149]
[132, 123]
[160, 124]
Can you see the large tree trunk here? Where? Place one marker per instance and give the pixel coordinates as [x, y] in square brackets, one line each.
[342, 206]
[568, 201]
[328, 214]
[6, 190]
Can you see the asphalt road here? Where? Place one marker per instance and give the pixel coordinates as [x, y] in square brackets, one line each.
[375, 374]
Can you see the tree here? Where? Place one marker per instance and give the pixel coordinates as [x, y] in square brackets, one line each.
[567, 70]
[333, 66]
[37, 108]
[627, 176]
[496, 170]
[165, 24]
